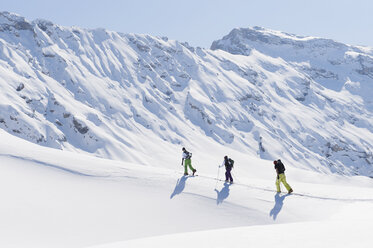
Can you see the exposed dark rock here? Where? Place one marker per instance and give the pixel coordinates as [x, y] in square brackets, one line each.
[78, 126]
[20, 87]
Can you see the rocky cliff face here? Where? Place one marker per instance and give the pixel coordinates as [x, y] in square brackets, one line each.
[268, 94]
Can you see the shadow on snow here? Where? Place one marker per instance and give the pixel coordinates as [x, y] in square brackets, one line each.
[180, 185]
[222, 194]
[279, 203]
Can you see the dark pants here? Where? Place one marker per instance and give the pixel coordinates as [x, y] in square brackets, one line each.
[228, 175]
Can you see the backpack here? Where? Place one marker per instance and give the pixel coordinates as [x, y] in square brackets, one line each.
[280, 166]
[188, 155]
[231, 162]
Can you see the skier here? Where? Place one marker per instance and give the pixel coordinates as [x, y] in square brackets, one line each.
[186, 158]
[280, 170]
[228, 163]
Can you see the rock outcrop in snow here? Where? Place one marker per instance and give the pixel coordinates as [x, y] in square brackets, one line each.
[269, 94]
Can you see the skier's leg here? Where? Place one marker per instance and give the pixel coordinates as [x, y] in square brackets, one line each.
[185, 167]
[226, 175]
[188, 163]
[191, 167]
[278, 185]
[230, 176]
[283, 180]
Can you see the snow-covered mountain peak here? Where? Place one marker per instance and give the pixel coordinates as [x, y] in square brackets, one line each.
[120, 95]
[332, 64]
[242, 40]
[10, 20]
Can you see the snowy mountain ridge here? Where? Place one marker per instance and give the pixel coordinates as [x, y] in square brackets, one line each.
[259, 92]
[325, 60]
[239, 38]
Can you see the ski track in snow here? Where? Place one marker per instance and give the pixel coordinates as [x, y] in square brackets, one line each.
[75, 172]
[292, 194]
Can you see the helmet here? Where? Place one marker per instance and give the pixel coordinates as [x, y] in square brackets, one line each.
[225, 157]
[275, 162]
[183, 149]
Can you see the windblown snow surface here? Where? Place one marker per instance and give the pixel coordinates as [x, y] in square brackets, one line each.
[92, 123]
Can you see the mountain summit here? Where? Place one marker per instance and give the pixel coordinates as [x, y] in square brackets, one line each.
[256, 91]
[330, 63]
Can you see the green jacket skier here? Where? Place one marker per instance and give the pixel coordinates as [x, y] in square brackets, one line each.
[187, 160]
[280, 171]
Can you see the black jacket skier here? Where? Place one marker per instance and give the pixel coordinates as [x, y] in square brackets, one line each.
[280, 171]
[228, 163]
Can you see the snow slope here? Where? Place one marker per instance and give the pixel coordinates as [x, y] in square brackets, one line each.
[138, 98]
[53, 198]
[331, 233]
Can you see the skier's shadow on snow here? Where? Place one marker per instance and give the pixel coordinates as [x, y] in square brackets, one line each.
[279, 202]
[222, 194]
[180, 185]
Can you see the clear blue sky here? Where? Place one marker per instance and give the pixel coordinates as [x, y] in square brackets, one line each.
[200, 22]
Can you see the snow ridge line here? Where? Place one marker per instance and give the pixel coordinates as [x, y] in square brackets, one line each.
[75, 172]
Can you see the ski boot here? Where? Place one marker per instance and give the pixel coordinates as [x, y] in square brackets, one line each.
[194, 171]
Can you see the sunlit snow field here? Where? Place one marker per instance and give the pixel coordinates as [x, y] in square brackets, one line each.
[52, 198]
